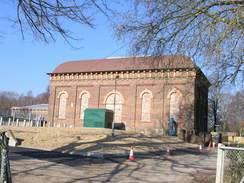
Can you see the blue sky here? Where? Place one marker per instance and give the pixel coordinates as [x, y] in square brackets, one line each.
[24, 63]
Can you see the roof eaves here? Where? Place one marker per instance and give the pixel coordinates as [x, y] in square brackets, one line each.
[75, 72]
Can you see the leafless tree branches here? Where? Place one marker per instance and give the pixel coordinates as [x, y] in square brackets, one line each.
[47, 18]
[10, 99]
[211, 30]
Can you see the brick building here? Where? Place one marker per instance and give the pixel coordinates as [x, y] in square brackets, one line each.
[147, 91]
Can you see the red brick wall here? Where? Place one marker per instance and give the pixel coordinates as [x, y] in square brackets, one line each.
[130, 85]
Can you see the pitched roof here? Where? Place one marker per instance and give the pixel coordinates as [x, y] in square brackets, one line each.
[126, 64]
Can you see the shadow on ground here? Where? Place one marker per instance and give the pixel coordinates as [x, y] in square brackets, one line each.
[122, 143]
[151, 164]
[146, 168]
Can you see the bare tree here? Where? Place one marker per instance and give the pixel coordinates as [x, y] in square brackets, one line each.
[46, 19]
[7, 100]
[10, 99]
[43, 97]
[235, 111]
[225, 109]
[215, 99]
[211, 30]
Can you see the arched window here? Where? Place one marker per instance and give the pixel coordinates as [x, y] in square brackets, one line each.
[146, 102]
[62, 105]
[115, 101]
[174, 102]
[84, 101]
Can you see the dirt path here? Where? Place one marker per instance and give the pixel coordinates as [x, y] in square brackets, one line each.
[45, 166]
[30, 166]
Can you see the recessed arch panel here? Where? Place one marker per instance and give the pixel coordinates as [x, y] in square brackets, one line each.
[114, 101]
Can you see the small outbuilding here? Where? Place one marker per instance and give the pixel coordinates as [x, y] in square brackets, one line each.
[38, 111]
[98, 118]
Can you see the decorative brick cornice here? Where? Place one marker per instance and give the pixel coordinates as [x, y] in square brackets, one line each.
[146, 74]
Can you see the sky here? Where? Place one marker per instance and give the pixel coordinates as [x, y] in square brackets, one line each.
[24, 64]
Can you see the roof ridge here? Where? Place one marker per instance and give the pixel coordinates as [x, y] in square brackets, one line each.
[126, 63]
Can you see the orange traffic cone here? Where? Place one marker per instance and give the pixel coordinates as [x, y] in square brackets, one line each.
[131, 156]
[210, 145]
[168, 152]
[200, 148]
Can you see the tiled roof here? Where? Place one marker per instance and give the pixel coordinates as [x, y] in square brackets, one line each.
[126, 64]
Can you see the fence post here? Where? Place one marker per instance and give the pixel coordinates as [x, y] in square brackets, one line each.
[9, 120]
[17, 122]
[1, 121]
[5, 174]
[220, 165]
[24, 123]
[242, 180]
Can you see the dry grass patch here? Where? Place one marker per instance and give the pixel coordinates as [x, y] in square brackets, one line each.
[91, 139]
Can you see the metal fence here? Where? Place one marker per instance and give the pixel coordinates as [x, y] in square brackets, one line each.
[230, 164]
[5, 173]
[31, 123]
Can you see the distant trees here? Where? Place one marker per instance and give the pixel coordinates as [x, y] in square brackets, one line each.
[10, 99]
[7, 100]
[225, 110]
[235, 111]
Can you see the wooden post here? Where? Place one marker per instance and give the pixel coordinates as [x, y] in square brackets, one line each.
[220, 165]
